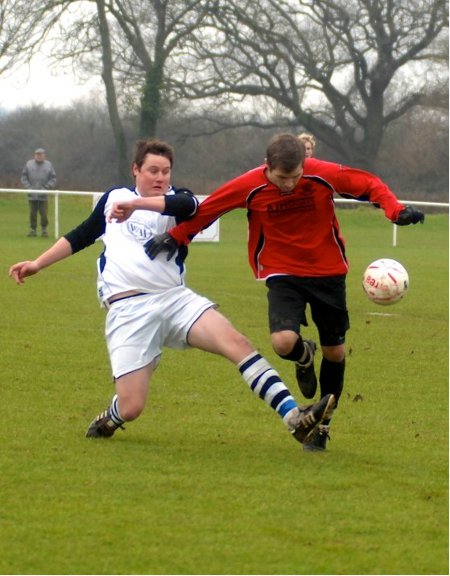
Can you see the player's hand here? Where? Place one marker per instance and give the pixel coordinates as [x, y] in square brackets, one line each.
[161, 243]
[121, 211]
[410, 215]
[21, 270]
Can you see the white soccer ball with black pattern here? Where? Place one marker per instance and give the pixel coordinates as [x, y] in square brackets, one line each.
[385, 281]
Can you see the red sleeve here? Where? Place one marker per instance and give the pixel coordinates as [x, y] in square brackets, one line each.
[231, 195]
[358, 184]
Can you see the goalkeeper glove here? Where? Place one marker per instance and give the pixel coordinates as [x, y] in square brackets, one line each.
[161, 243]
[410, 215]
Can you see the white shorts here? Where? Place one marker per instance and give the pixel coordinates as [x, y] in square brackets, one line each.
[137, 328]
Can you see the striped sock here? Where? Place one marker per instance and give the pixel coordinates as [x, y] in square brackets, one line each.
[114, 411]
[265, 382]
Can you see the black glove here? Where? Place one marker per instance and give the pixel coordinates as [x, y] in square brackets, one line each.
[162, 242]
[410, 215]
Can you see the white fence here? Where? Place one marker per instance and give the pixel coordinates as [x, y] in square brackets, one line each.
[212, 233]
[413, 202]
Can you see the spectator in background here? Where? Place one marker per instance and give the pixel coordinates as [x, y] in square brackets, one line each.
[38, 174]
[310, 143]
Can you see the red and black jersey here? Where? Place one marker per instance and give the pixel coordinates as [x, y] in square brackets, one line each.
[295, 233]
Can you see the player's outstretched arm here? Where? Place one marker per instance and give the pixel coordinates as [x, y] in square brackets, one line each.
[122, 210]
[61, 249]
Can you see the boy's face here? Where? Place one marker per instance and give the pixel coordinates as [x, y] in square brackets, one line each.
[285, 181]
[153, 177]
[308, 149]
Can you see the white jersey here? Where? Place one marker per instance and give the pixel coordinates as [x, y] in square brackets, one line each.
[124, 265]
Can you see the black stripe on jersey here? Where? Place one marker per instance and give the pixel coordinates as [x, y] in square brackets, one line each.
[339, 242]
[342, 194]
[255, 191]
[92, 228]
[258, 250]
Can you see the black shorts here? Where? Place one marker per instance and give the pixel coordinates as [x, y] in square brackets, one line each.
[326, 296]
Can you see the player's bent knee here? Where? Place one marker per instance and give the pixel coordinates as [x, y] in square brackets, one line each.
[283, 343]
[334, 353]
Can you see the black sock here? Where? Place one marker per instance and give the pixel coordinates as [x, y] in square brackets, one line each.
[297, 352]
[331, 379]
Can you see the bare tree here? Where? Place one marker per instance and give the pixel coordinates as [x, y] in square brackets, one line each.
[111, 98]
[138, 43]
[150, 38]
[342, 70]
[24, 26]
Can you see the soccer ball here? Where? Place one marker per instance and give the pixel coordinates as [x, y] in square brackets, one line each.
[385, 281]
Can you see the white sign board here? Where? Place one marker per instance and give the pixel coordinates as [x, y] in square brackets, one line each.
[210, 234]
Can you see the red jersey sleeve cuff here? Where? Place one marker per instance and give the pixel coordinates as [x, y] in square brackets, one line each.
[180, 237]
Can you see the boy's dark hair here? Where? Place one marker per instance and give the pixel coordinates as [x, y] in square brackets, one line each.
[152, 146]
[285, 151]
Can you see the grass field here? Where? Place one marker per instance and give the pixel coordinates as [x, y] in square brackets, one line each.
[207, 481]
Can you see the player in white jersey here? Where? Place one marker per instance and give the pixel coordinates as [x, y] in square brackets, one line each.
[148, 305]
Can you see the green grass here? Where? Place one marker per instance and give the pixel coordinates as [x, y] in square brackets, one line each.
[207, 481]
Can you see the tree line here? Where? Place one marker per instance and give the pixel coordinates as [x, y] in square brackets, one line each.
[80, 143]
[355, 73]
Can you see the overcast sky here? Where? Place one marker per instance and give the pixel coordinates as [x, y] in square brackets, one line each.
[38, 84]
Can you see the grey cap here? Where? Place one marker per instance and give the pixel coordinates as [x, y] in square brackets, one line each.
[39, 151]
